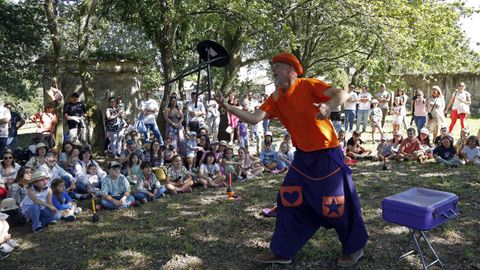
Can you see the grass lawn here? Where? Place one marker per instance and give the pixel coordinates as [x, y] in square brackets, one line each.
[202, 231]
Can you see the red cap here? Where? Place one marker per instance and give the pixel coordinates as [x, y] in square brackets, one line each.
[289, 59]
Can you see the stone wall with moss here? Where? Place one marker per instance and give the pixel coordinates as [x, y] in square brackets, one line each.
[107, 78]
[447, 83]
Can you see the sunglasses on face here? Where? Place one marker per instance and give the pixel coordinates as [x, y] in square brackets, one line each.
[8, 157]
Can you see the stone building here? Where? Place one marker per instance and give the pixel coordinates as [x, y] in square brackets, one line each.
[447, 83]
[108, 78]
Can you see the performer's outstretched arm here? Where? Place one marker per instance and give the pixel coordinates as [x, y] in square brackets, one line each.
[337, 97]
[245, 116]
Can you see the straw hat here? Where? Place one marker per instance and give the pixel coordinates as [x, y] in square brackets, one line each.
[38, 175]
[40, 145]
[8, 204]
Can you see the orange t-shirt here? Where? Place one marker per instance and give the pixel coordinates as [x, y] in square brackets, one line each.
[296, 112]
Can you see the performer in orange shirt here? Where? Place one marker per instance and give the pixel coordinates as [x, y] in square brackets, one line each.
[318, 189]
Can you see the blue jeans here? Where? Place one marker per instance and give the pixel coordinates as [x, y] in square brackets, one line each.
[362, 116]
[349, 119]
[420, 122]
[337, 125]
[40, 217]
[82, 188]
[266, 124]
[156, 133]
[140, 195]
[110, 206]
[14, 143]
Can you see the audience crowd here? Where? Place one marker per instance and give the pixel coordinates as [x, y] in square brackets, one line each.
[41, 184]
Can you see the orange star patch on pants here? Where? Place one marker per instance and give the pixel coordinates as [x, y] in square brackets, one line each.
[333, 206]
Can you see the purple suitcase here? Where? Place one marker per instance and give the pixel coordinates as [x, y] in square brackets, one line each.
[420, 208]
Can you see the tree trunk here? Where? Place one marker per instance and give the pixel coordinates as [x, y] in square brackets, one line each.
[86, 12]
[55, 68]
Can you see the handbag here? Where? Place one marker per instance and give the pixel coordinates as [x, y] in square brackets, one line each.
[429, 114]
[464, 108]
[140, 124]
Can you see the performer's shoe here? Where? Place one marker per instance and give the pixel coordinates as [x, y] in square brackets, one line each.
[271, 258]
[350, 259]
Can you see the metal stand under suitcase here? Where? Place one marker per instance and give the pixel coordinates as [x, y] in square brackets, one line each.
[420, 210]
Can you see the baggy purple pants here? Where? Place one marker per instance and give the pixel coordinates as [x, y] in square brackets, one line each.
[317, 191]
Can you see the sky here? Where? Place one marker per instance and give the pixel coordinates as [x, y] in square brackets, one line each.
[471, 25]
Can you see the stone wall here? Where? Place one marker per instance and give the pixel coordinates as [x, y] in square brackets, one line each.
[108, 78]
[447, 83]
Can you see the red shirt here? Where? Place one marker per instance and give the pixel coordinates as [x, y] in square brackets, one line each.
[408, 146]
[295, 110]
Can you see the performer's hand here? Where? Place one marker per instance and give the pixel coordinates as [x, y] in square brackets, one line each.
[324, 111]
[220, 99]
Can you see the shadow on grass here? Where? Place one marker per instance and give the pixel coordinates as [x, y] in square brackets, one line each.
[203, 231]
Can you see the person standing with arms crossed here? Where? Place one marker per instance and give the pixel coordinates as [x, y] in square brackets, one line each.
[318, 189]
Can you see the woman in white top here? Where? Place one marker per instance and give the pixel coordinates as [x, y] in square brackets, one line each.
[8, 172]
[460, 104]
[364, 99]
[436, 106]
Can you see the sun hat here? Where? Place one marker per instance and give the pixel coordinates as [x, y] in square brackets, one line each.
[38, 175]
[40, 145]
[289, 59]
[3, 216]
[112, 164]
[425, 131]
[192, 133]
[8, 204]
[374, 101]
[223, 142]
[268, 133]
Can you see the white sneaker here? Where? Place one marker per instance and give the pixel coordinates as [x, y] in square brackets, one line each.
[6, 248]
[13, 243]
[78, 210]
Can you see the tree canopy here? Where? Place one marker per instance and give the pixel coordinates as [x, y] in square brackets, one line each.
[363, 42]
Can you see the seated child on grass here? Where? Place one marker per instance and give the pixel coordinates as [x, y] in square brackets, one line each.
[133, 168]
[410, 148]
[285, 157]
[355, 150]
[471, 152]
[92, 179]
[445, 153]
[66, 207]
[424, 138]
[179, 179]
[248, 167]
[148, 187]
[384, 149]
[115, 190]
[37, 205]
[210, 174]
[269, 158]
[229, 164]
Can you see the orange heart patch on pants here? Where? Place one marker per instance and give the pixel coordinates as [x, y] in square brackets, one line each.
[333, 206]
[291, 196]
